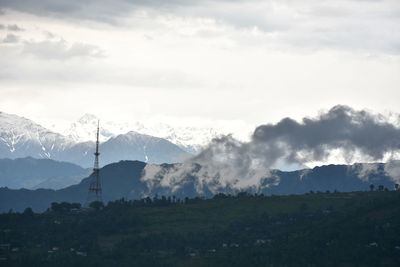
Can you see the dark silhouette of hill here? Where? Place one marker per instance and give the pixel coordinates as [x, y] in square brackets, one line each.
[123, 180]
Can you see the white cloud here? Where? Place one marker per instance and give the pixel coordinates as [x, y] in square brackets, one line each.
[245, 61]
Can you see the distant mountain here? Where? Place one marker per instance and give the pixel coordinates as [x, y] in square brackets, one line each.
[83, 130]
[190, 139]
[39, 173]
[146, 148]
[21, 137]
[118, 180]
[125, 180]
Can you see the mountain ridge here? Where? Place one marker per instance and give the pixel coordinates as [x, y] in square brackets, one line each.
[190, 139]
[21, 137]
[125, 180]
[33, 173]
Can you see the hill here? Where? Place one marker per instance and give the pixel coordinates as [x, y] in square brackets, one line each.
[320, 229]
[125, 180]
[40, 173]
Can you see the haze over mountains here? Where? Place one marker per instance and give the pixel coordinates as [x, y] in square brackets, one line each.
[39, 173]
[21, 137]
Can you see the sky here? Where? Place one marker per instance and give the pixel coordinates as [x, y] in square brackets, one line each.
[219, 63]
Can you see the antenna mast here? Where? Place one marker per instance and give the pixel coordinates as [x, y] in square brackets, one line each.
[95, 191]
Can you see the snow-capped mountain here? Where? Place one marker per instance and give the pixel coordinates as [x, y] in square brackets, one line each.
[84, 129]
[21, 137]
[146, 148]
[190, 139]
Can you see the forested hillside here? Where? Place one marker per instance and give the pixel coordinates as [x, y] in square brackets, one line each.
[315, 229]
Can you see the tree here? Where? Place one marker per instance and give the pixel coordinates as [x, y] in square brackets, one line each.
[28, 212]
[96, 205]
[396, 186]
[371, 187]
[219, 196]
[64, 206]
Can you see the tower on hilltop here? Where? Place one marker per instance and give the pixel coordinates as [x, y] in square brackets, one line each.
[95, 191]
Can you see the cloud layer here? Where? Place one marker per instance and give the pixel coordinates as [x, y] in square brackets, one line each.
[247, 61]
[350, 25]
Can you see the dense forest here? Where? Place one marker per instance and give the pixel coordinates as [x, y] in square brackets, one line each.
[315, 229]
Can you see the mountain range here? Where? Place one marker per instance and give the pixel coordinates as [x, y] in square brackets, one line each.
[33, 173]
[125, 179]
[21, 137]
[190, 139]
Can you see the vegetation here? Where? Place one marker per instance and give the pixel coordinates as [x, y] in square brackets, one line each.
[316, 229]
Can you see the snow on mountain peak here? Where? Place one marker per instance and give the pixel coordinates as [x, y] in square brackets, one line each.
[88, 118]
[21, 137]
[17, 132]
[84, 129]
[15, 129]
[190, 139]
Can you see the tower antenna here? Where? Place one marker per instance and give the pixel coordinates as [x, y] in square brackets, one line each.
[95, 191]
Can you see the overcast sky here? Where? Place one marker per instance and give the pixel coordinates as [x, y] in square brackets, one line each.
[198, 62]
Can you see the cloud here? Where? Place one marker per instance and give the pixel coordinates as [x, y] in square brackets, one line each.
[14, 28]
[103, 10]
[392, 169]
[61, 50]
[11, 27]
[368, 26]
[341, 127]
[11, 38]
[353, 132]
[247, 164]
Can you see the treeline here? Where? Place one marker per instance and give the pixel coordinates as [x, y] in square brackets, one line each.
[315, 229]
[162, 201]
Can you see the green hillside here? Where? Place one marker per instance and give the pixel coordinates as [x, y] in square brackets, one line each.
[319, 229]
